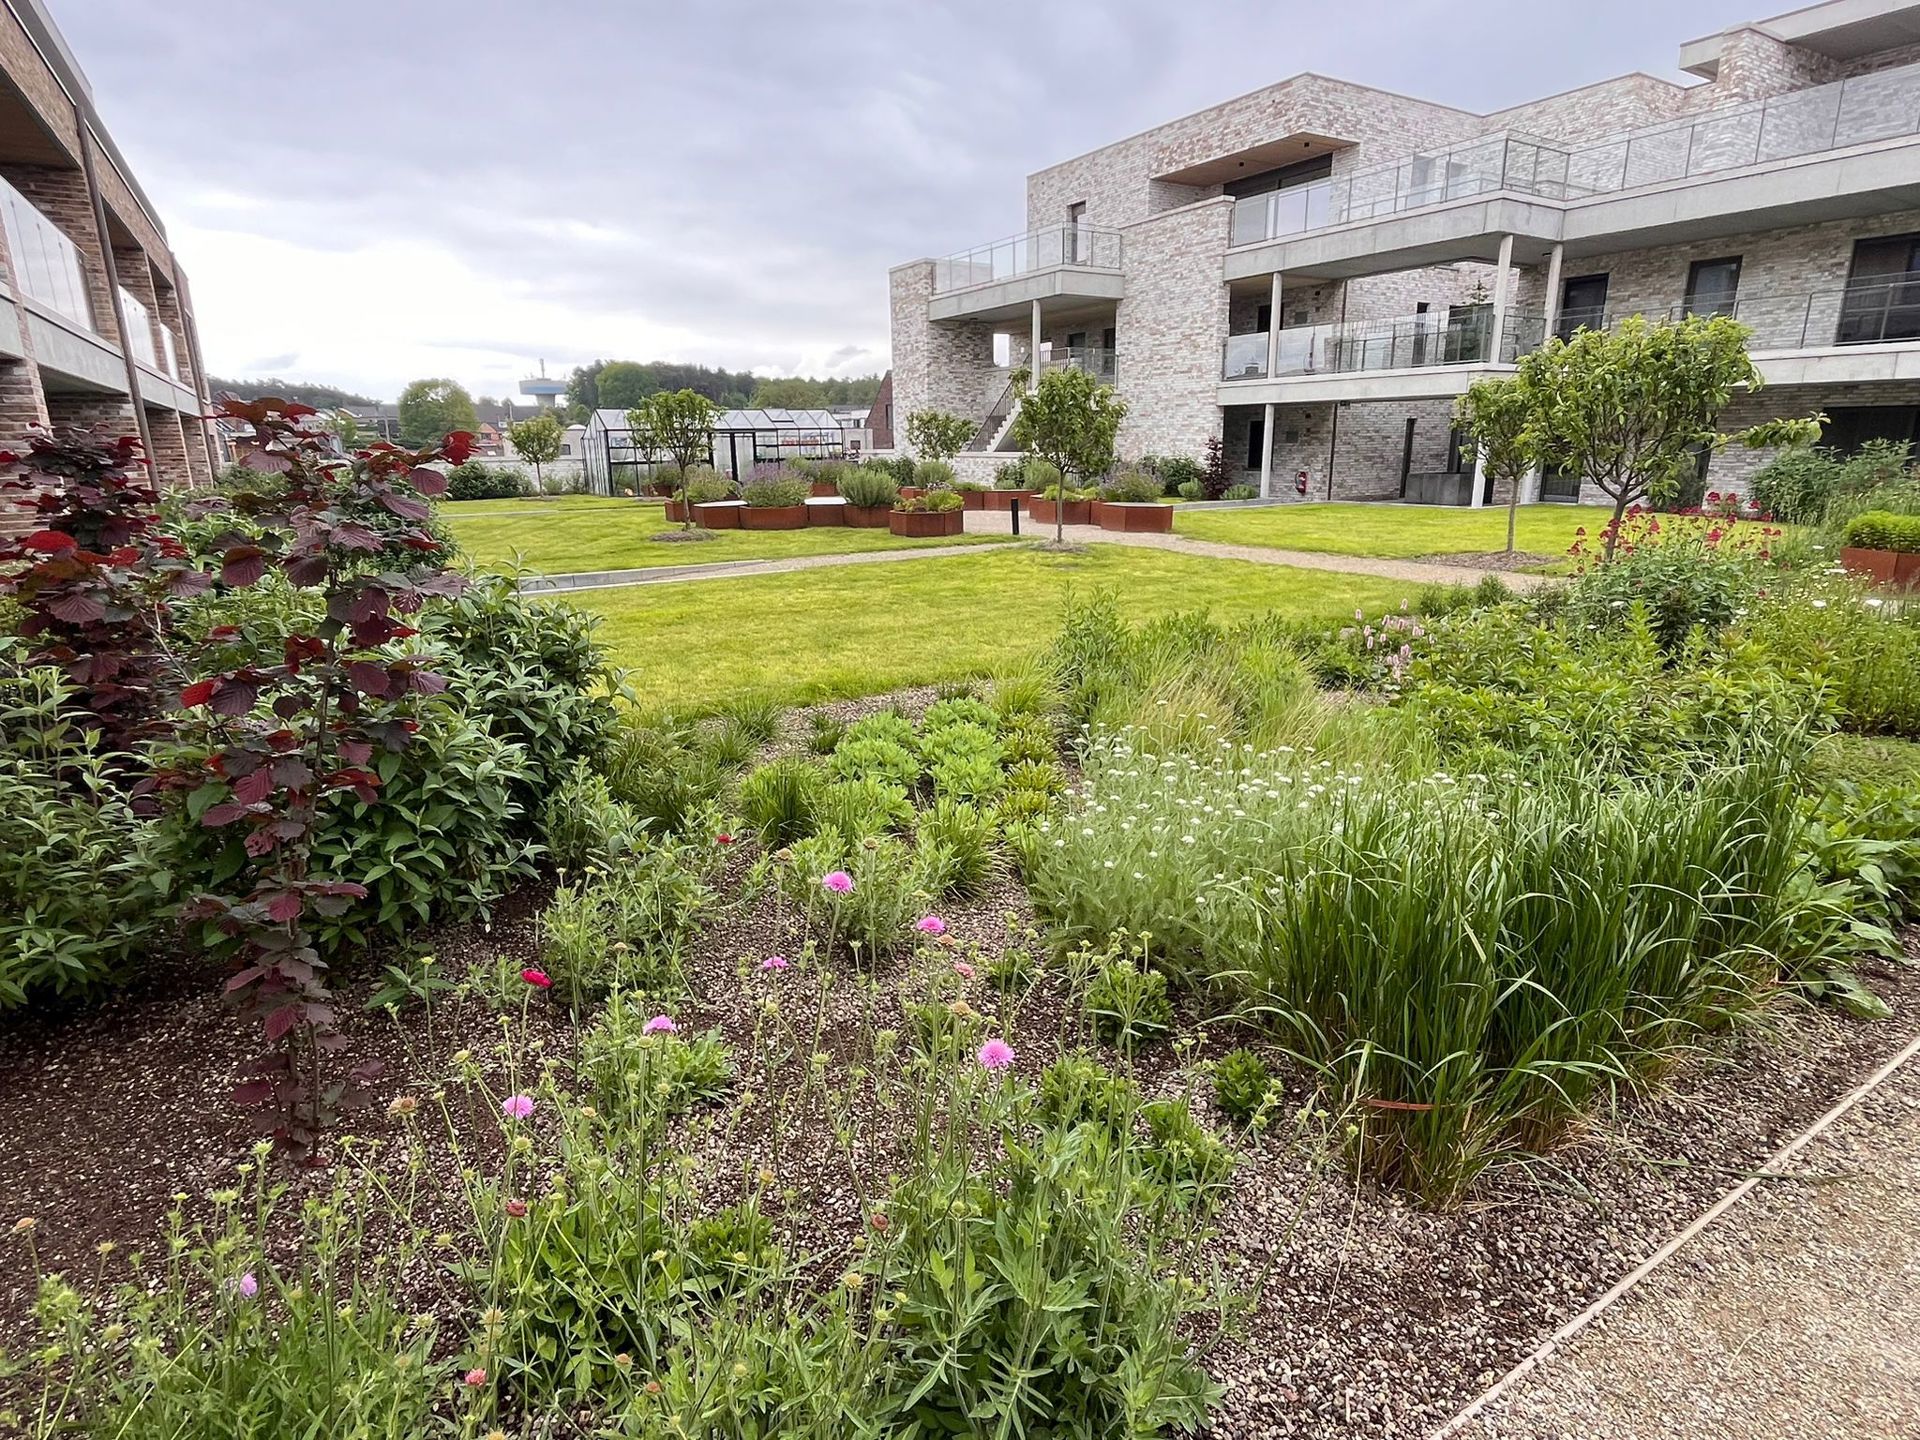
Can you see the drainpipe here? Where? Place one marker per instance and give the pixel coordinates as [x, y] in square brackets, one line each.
[113, 287]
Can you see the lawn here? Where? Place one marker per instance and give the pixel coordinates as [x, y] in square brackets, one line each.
[587, 532]
[863, 630]
[1392, 531]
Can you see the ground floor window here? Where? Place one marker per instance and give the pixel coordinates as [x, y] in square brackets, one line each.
[1850, 427]
[1256, 440]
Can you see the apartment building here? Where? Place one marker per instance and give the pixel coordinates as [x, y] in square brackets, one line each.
[96, 321]
[1314, 272]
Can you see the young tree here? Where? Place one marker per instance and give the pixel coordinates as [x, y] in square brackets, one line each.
[536, 440]
[430, 410]
[1497, 415]
[1070, 419]
[1629, 409]
[678, 424]
[936, 435]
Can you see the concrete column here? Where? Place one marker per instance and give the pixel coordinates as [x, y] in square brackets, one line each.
[1266, 441]
[1033, 355]
[1273, 335]
[1502, 285]
[1549, 317]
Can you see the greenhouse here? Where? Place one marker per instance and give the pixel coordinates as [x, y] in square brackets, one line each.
[616, 458]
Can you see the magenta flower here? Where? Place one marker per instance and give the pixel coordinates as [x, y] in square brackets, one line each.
[931, 925]
[963, 969]
[838, 882]
[996, 1055]
[246, 1287]
[774, 962]
[659, 1025]
[517, 1107]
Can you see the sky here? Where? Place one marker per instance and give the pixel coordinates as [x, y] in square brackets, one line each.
[370, 191]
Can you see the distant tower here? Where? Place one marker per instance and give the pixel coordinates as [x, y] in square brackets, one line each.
[544, 391]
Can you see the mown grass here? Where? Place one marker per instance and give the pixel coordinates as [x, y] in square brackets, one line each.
[863, 630]
[586, 532]
[1394, 532]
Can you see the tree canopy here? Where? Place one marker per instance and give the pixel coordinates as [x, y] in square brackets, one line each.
[301, 392]
[588, 387]
[1070, 419]
[1498, 416]
[679, 425]
[936, 435]
[537, 441]
[430, 410]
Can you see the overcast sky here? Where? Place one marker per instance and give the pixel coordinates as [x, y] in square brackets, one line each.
[367, 191]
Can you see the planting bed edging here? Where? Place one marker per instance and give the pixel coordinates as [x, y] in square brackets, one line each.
[773, 517]
[1133, 517]
[926, 524]
[1894, 568]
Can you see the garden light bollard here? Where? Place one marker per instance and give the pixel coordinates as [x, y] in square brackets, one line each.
[1013, 509]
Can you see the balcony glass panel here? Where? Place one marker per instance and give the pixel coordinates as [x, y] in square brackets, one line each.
[47, 265]
[1042, 249]
[1245, 356]
[139, 329]
[1459, 335]
[170, 352]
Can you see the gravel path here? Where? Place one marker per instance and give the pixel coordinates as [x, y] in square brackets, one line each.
[989, 522]
[1796, 1316]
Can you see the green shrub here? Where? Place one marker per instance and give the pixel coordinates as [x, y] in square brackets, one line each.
[1079, 1090]
[773, 485]
[1681, 577]
[639, 1080]
[1862, 651]
[1130, 484]
[963, 761]
[1192, 1162]
[781, 799]
[624, 928]
[1176, 473]
[933, 502]
[863, 755]
[962, 709]
[1883, 530]
[662, 775]
[585, 825]
[1796, 485]
[888, 725]
[1191, 490]
[1012, 475]
[1240, 491]
[870, 487]
[1126, 1003]
[933, 475]
[962, 835]
[862, 808]
[708, 487]
[476, 480]
[81, 885]
[1242, 1086]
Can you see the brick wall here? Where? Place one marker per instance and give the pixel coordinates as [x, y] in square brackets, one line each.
[1754, 65]
[112, 411]
[1595, 110]
[1171, 326]
[1365, 458]
[61, 195]
[170, 452]
[935, 367]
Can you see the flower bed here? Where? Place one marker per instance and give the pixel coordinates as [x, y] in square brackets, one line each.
[926, 525]
[1884, 548]
[1133, 516]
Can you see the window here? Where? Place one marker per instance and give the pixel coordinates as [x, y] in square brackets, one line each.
[1079, 246]
[1883, 292]
[1265, 321]
[1583, 302]
[1712, 286]
[1851, 426]
[1256, 440]
[1303, 172]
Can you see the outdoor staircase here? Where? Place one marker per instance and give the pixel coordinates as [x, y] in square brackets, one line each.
[997, 425]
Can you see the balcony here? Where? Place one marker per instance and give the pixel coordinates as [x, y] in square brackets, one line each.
[1461, 335]
[47, 266]
[139, 329]
[1884, 105]
[1096, 361]
[1051, 246]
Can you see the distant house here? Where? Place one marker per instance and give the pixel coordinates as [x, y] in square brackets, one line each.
[880, 416]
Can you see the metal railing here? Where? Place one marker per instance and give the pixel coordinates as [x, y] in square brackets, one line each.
[1099, 362]
[1460, 335]
[1042, 249]
[47, 266]
[1866, 312]
[989, 428]
[1883, 105]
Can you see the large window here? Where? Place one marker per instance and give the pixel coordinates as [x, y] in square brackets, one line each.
[1883, 292]
[1848, 427]
[1303, 172]
[1712, 286]
[1583, 303]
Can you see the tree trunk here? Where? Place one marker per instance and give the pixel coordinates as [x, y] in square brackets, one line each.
[1513, 512]
[1613, 530]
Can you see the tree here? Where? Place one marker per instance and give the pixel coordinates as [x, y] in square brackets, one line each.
[1070, 419]
[431, 410]
[302, 392]
[787, 392]
[1496, 413]
[936, 435]
[536, 441]
[1630, 409]
[678, 424]
[624, 384]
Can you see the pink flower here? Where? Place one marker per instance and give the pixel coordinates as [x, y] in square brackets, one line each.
[517, 1107]
[963, 970]
[659, 1025]
[996, 1055]
[246, 1287]
[838, 882]
[539, 979]
[931, 925]
[774, 962]
[476, 1377]
[517, 1209]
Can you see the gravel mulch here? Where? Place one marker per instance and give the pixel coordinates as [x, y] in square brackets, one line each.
[1520, 561]
[1373, 1317]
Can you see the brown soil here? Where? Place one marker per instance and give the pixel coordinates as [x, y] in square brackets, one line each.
[1518, 562]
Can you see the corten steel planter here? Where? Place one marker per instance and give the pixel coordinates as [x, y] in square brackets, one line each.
[926, 525]
[1005, 499]
[1890, 568]
[719, 514]
[1133, 516]
[773, 517]
[973, 499]
[824, 510]
[868, 517]
[1079, 512]
[911, 492]
[822, 488]
[676, 512]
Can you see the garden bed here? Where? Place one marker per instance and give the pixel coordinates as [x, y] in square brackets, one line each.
[1133, 517]
[1376, 1318]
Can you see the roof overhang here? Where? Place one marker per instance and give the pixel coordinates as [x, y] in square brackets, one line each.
[1838, 29]
[1267, 155]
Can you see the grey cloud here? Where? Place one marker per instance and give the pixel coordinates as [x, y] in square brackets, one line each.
[741, 173]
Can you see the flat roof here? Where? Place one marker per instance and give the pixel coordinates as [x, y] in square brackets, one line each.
[1838, 29]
